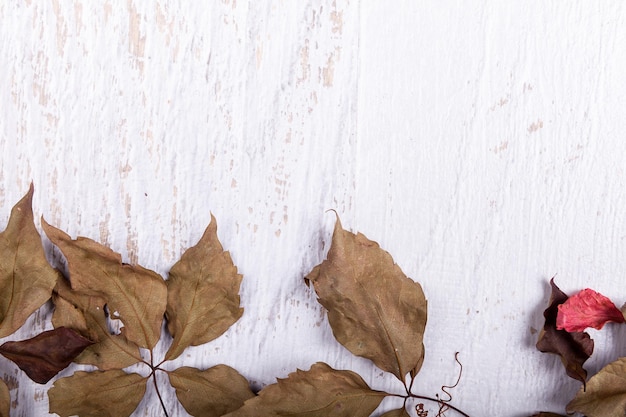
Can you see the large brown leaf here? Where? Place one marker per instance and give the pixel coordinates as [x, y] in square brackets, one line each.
[210, 393]
[48, 353]
[26, 278]
[97, 394]
[605, 394]
[374, 310]
[86, 315]
[135, 295]
[319, 392]
[202, 294]
[573, 348]
[5, 399]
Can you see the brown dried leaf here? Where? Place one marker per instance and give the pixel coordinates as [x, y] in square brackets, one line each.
[400, 412]
[86, 315]
[26, 278]
[97, 394]
[202, 294]
[210, 393]
[319, 392]
[48, 353]
[374, 309]
[573, 348]
[5, 399]
[135, 295]
[605, 394]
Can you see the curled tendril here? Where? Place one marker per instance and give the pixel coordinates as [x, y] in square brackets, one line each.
[419, 408]
[443, 407]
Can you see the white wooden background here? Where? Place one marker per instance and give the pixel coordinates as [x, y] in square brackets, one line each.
[480, 142]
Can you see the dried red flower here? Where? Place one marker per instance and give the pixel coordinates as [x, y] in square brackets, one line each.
[588, 308]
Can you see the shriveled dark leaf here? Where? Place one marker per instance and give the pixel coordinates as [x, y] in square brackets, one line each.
[26, 278]
[605, 394]
[573, 348]
[202, 294]
[97, 394]
[48, 353]
[133, 294]
[400, 412]
[86, 315]
[319, 392]
[374, 309]
[210, 393]
[5, 399]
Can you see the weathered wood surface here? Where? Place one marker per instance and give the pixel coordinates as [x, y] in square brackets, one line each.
[480, 143]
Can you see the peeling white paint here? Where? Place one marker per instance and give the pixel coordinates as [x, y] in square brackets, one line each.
[479, 143]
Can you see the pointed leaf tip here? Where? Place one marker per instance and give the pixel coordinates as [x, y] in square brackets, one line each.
[24, 269]
[374, 309]
[202, 294]
[48, 353]
[588, 308]
[137, 294]
[99, 394]
[605, 393]
[319, 392]
[210, 393]
[573, 348]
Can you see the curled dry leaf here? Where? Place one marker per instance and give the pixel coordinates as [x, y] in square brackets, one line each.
[25, 273]
[319, 392]
[210, 393]
[5, 399]
[86, 314]
[97, 394]
[202, 294]
[134, 295]
[374, 309]
[48, 353]
[605, 394]
[588, 308]
[573, 348]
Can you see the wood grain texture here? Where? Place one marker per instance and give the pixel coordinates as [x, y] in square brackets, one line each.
[479, 143]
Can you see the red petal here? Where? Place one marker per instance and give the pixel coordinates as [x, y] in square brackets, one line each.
[588, 308]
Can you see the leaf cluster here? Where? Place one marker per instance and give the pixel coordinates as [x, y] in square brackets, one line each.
[374, 310]
[566, 318]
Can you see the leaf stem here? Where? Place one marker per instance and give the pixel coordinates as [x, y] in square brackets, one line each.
[154, 381]
[440, 402]
[411, 384]
[435, 400]
[156, 388]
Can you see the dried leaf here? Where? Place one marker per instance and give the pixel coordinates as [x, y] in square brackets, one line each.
[86, 314]
[319, 392]
[375, 310]
[605, 395]
[400, 412]
[202, 294]
[135, 295]
[48, 353]
[97, 394]
[26, 278]
[588, 308]
[573, 348]
[5, 399]
[210, 393]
